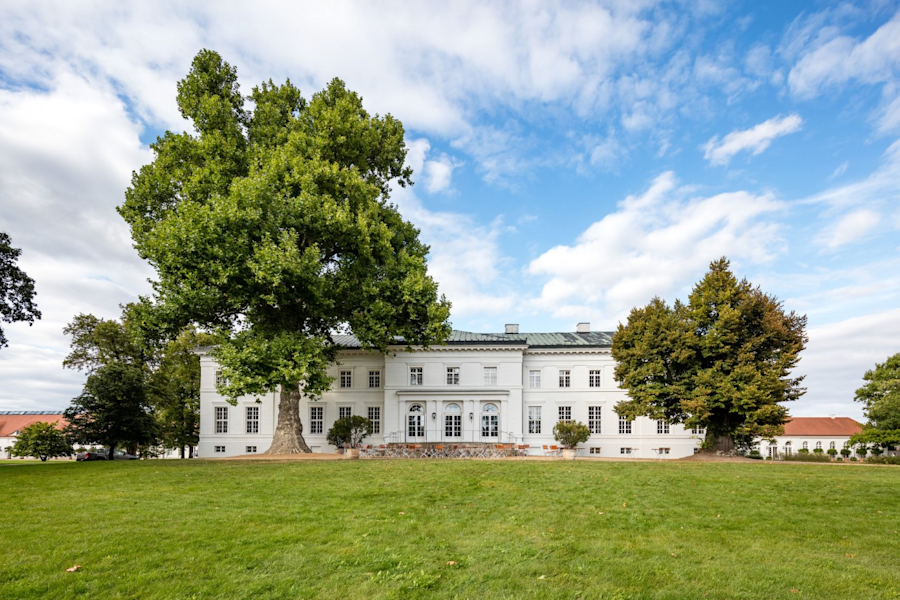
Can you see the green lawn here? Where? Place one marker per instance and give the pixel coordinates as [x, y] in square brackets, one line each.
[390, 529]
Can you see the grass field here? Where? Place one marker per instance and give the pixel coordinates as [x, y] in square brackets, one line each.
[453, 529]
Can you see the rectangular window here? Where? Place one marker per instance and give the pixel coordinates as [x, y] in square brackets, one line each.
[375, 417]
[252, 419]
[534, 419]
[664, 450]
[345, 411]
[221, 419]
[346, 379]
[220, 379]
[624, 425]
[565, 379]
[251, 450]
[490, 376]
[698, 431]
[219, 449]
[624, 450]
[565, 413]
[452, 425]
[594, 422]
[662, 427]
[595, 450]
[374, 379]
[534, 379]
[415, 376]
[316, 419]
[594, 378]
[452, 375]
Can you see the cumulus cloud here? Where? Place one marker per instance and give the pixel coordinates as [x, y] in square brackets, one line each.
[653, 244]
[756, 139]
[849, 228]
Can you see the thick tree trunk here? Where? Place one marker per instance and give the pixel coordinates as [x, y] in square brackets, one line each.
[182, 452]
[724, 444]
[288, 438]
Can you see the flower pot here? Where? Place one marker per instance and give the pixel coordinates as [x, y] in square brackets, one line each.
[569, 453]
[351, 453]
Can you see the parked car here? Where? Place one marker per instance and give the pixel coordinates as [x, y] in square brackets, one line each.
[104, 455]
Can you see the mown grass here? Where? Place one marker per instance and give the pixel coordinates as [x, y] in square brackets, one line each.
[390, 529]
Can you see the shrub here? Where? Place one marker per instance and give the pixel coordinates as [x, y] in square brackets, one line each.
[832, 452]
[571, 433]
[42, 440]
[348, 432]
[884, 460]
[806, 458]
[876, 451]
[853, 458]
[845, 452]
[803, 451]
[754, 454]
[862, 451]
[839, 459]
[818, 451]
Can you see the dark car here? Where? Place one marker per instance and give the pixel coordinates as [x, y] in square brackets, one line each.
[104, 455]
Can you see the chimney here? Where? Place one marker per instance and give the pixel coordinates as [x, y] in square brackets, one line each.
[512, 328]
[583, 328]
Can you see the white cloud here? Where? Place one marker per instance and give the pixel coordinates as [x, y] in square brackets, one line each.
[653, 244]
[838, 60]
[436, 173]
[756, 139]
[838, 355]
[849, 228]
[840, 170]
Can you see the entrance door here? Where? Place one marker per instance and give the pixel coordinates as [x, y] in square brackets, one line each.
[490, 423]
[452, 422]
[415, 423]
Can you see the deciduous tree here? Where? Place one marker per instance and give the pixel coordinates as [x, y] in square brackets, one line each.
[272, 228]
[16, 289]
[721, 362]
[881, 394]
[41, 440]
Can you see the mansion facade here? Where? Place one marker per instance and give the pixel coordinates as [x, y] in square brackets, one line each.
[503, 388]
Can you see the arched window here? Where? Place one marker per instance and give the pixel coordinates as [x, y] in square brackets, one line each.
[818, 445]
[452, 421]
[787, 448]
[831, 445]
[490, 421]
[805, 445]
[415, 421]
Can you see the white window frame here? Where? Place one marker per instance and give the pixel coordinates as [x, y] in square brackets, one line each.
[534, 419]
[346, 379]
[595, 378]
[624, 426]
[453, 421]
[490, 375]
[534, 378]
[375, 378]
[818, 445]
[565, 378]
[250, 450]
[345, 412]
[805, 445]
[316, 420]
[831, 446]
[452, 375]
[564, 414]
[662, 427]
[626, 451]
[374, 414]
[219, 449]
[595, 419]
[221, 419]
[252, 419]
[415, 375]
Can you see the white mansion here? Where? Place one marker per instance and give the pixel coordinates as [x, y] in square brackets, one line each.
[477, 387]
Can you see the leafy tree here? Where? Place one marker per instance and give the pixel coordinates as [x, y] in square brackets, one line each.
[97, 342]
[42, 440]
[881, 394]
[571, 433]
[16, 289]
[272, 228]
[348, 432]
[174, 391]
[721, 362]
[882, 438]
[112, 410]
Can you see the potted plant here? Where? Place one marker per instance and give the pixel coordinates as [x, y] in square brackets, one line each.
[832, 453]
[803, 451]
[569, 434]
[862, 451]
[348, 433]
[818, 451]
[845, 452]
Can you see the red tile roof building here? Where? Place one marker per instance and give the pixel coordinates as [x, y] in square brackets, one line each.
[821, 427]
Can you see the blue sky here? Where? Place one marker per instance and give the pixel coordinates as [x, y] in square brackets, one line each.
[572, 159]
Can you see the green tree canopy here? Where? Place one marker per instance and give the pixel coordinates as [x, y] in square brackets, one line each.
[272, 228]
[112, 410]
[16, 289]
[721, 362]
[42, 440]
[349, 432]
[881, 394]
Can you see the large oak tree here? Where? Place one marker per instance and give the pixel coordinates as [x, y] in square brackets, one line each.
[272, 228]
[16, 289]
[721, 362]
